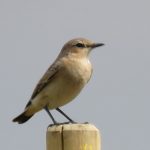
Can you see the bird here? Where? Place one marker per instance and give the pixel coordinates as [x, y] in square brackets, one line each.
[63, 80]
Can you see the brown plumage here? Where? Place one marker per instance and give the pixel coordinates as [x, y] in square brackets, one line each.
[63, 81]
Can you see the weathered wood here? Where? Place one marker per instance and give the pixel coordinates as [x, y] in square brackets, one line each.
[73, 137]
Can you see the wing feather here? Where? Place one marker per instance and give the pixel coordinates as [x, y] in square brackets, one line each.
[45, 80]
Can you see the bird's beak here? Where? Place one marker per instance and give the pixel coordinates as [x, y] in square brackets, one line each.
[97, 45]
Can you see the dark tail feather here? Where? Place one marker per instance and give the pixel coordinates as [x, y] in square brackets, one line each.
[22, 118]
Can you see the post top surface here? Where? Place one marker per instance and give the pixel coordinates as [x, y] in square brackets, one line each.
[67, 127]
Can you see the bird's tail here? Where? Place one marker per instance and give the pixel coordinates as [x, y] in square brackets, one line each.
[22, 118]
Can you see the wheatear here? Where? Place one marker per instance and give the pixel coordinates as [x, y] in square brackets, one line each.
[63, 80]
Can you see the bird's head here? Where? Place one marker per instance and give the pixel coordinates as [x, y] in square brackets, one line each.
[79, 46]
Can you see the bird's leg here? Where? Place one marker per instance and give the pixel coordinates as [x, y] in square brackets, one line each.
[60, 111]
[47, 110]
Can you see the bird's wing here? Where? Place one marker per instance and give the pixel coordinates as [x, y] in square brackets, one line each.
[45, 80]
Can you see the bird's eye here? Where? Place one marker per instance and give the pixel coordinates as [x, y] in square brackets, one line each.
[80, 45]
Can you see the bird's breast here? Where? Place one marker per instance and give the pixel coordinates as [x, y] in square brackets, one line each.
[77, 70]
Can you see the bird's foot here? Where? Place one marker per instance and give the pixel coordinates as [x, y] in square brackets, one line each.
[86, 123]
[62, 123]
[68, 122]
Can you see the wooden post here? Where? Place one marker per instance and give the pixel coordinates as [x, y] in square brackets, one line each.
[73, 137]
